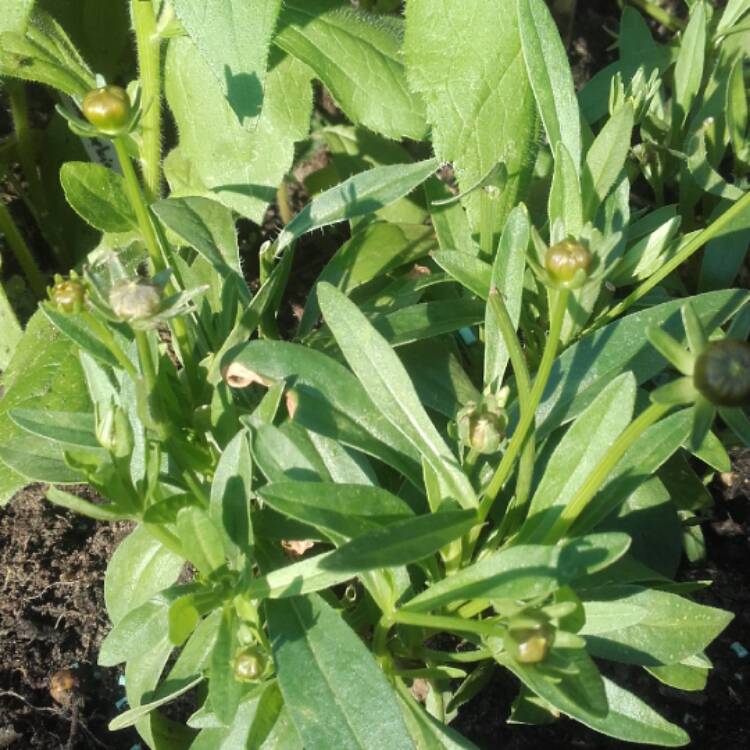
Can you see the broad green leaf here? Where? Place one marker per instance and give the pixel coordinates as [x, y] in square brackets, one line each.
[468, 270]
[140, 630]
[578, 453]
[337, 694]
[683, 676]
[478, 98]
[587, 367]
[507, 278]
[383, 377]
[550, 76]
[449, 220]
[45, 54]
[201, 540]
[688, 71]
[606, 158]
[238, 60]
[224, 691]
[567, 679]
[400, 543]
[231, 493]
[140, 568]
[358, 58]
[373, 251]
[97, 195]
[10, 329]
[329, 400]
[69, 428]
[44, 373]
[362, 194]
[216, 156]
[672, 629]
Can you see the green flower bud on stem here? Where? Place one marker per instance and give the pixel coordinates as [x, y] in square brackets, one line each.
[529, 644]
[565, 259]
[68, 295]
[249, 665]
[482, 426]
[722, 373]
[135, 299]
[108, 109]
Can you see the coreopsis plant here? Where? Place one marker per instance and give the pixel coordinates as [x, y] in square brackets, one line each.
[460, 456]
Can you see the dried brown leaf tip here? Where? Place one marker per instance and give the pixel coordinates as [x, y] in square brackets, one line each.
[297, 547]
[236, 375]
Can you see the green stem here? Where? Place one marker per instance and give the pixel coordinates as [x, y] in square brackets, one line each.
[526, 419]
[148, 368]
[106, 337]
[603, 469]
[658, 14]
[148, 44]
[711, 231]
[22, 252]
[137, 201]
[487, 216]
[441, 622]
[515, 352]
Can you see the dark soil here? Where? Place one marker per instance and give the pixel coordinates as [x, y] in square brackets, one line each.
[52, 618]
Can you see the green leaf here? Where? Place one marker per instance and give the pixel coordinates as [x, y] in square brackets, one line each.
[387, 383]
[468, 270]
[550, 77]
[330, 400]
[44, 373]
[69, 428]
[105, 512]
[688, 71]
[201, 540]
[357, 56]
[10, 328]
[231, 492]
[373, 251]
[16, 15]
[684, 676]
[400, 543]
[606, 158]
[578, 453]
[507, 277]
[672, 628]
[362, 194]
[587, 367]
[238, 61]
[218, 157]
[224, 691]
[565, 202]
[140, 630]
[140, 568]
[98, 196]
[337, 695]
[478, 97]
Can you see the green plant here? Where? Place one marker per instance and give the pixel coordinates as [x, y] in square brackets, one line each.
[465, 447]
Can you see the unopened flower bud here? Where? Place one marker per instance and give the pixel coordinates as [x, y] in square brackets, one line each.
[108, 109]
[68, 295]
[566, 259]
[482, 426]
[529, 643]
[135, 299]
[113, 431]
[722, 372]
[249, 665]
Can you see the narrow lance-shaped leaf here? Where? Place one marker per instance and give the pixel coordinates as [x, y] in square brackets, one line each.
[362, 194]
[387, 383]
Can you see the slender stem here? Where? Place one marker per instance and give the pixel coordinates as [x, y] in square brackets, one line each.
[526, 419]
[461, 657]
[148, 369]
[148, 44]
[487, 216]
[282, 198]
[603, 469]
[162, 534]
[711, 231]
[658, 14]
[441, 622]
[517, 359]
[22, 252]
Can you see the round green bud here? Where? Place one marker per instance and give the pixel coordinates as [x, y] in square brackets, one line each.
[249, 665]
[565, 259]
[482, 426]
[108, 109]
[722, 373]
[135, 299]
[530, 644]
[68, 294]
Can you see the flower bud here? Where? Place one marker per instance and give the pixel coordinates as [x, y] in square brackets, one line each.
[722, 372]
[113, 431]
[68, 294]
[108, 109]
[249, 665]
[135, 299]
[529, 643]
[566, 259]
[481, 426]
